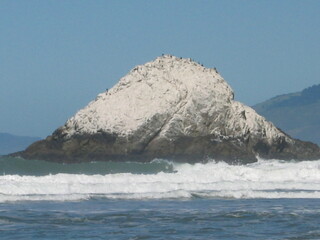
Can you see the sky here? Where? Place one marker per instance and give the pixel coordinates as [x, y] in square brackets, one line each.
[57, 55]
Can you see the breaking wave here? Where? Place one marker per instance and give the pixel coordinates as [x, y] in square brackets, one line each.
[25, 180]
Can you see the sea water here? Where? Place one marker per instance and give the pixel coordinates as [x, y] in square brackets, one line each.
[270, 199]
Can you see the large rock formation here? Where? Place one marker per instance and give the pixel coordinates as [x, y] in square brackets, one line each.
[169, 108]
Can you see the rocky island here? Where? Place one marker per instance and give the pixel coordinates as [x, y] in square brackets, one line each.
[171, 108]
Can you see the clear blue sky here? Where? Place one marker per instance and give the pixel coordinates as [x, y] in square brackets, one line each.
[56, 56]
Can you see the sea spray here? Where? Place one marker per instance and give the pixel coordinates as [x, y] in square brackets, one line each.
[160, 179]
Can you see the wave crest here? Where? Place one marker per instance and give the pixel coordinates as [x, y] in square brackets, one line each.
[162, 179]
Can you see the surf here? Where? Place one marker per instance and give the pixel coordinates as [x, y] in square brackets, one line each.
[160, 179]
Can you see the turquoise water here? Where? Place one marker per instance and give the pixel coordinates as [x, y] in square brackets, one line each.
[159, 200]
[14, 166]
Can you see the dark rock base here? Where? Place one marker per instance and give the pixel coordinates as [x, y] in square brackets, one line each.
[106, 147]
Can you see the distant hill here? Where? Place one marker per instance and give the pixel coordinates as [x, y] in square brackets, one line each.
[11, 143]
[298, 114]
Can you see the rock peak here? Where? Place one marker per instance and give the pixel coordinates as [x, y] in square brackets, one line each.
[165, 86]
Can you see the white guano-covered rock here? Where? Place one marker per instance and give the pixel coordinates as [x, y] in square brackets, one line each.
[187, 98]
[169, 108]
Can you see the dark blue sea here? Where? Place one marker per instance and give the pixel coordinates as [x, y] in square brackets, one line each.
[271, 199]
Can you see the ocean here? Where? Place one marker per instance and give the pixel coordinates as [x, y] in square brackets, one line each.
[270, 199]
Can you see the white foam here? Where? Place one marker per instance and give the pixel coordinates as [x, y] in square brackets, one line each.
[264, 179]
